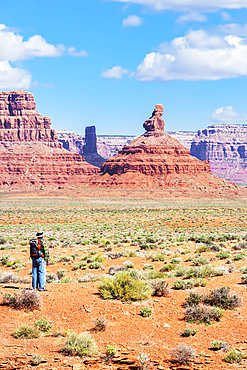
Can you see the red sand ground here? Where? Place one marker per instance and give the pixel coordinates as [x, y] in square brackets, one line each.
[74, 306]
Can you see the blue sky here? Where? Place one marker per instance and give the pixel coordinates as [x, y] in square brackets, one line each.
[107, 63]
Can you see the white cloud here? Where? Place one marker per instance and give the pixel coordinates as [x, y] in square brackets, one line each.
[195, 57]
[192, 17]
[12, 46]
[234, 29]
[116, 72]
[226, 16]
[72, 51]
[132, 21]
[228, 114]
[189, 5]
[13, 78]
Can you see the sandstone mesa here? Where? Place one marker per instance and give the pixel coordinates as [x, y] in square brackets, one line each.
[30, 154]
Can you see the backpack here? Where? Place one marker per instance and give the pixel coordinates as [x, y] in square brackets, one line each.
[35, 248]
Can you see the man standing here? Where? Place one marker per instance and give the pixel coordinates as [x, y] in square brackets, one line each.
[39, 253]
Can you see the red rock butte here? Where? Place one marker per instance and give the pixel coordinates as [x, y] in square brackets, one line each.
[155, 159]
[30, 154]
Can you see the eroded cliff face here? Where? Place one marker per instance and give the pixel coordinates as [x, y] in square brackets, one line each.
[225, 146]
[30, 154]
[155, 159]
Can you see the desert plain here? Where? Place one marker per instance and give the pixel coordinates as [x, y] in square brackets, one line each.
[193, 243]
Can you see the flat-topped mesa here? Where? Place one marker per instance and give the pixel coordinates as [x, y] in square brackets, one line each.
[155, 124]
[19, 121]
[30, 154]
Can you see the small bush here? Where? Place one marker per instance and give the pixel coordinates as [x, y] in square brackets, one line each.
[4, 259]
[194, 299]
[180, 271]
[145, 312]
[111, 350]
[124, 287]
[95, 265]
[160, 288]
[100, 324]
[86, 278]
[176, 260]
[202, 313]
[148, 266]
[221, 297]
[158, 257]
[234, 356]
[238, 257]
[244, 278]
[51, 277]
[61, 273]
[3, 241]
[168, 267]
[223, 255]
[183, 284]
[26, 332]
[203, 248]
[201, 260]
[188, 332]
[154, 275]
[80, 265]
[9, 277]
[217, 344]
[43, 325]
[143, 358]
[37, 359]
[183, 353]
[26, 299]
[79, 344]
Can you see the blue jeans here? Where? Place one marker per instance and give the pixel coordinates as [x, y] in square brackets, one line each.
[38, 271]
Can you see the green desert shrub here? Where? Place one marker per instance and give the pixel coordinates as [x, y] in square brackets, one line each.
[43, 325]
[238, 257]
[95, 265]
[154, 275]
[217, 344]
[111, 350]
[188, 332]
[37, 359]
[79, 344]
[203, 314]
[201, 260]
[51, 277]
[194, 299]
[26, 332]
[222, 298]
[203, 248]
[168, 267]
[234, 355]
[80, 265]
[180, 271]
[124, 287]
[61, 273]
[223, 255]
[4, 259]
[145, 312]
[244, 278]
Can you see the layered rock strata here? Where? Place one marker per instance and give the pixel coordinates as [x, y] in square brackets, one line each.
[225, 146]
[30, 154]
[84, 145]
[157, 160]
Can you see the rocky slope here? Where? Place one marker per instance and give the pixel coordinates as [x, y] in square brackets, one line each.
[30, 154]
[225, 146]
[157, 160]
